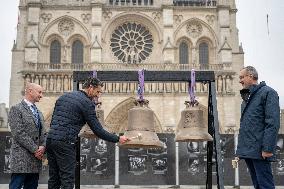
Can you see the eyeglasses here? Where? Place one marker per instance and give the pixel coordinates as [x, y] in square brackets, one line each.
[243, 76]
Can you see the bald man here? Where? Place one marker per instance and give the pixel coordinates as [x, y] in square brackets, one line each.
[28, 133]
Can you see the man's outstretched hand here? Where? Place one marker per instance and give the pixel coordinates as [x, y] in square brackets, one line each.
[123, 139]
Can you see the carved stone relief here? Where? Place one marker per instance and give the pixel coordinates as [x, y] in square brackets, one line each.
[224, 84]
[107, 15]
[52, 83]
[219, 84]
[86, 18]
[65, 51]
[178, 19]
[229, 84]
[23, 2]
[156, 16]
[210, 19]
[66, 26]
[44, 2]
[194, 29]
[194, 55]
[46, 17]
[66, 2]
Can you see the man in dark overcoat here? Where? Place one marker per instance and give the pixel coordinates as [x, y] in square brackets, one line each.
[259, 125]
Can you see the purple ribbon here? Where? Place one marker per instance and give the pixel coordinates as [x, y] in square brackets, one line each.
[191, 87]
[141, 84]
[95, 75]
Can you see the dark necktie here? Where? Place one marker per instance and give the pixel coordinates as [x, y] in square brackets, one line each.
[36, 115]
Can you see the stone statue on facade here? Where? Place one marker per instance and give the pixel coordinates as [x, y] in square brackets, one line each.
[132, 56]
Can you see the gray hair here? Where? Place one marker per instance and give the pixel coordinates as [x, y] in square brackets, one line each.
[252, 71]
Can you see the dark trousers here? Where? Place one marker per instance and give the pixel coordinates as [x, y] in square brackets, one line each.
[62, 164]
[261, 173]
[25, 180]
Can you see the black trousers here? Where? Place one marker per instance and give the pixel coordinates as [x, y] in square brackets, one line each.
[261, 173]
[62, 164]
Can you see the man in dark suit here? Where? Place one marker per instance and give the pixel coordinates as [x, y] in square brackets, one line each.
[28, 133]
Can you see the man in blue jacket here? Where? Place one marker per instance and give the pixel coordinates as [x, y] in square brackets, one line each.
[259, 125]
[72, 110]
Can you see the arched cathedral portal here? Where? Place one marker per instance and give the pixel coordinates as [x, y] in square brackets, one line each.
[117, 120]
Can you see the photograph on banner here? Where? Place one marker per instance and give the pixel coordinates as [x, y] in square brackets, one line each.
[101, 146]
[83, 162]
[85, 145]
[99, 165]
[137, 164]
[159, 166]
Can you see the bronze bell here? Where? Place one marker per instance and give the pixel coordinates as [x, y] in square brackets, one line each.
[191, 126]
[140, 129]
[86, 131]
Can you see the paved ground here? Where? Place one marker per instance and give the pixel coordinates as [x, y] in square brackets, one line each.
[44, 186]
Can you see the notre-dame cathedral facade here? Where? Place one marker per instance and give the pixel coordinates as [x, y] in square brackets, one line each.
[56, 37]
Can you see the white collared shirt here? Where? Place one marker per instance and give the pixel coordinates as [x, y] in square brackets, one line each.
[29, 104]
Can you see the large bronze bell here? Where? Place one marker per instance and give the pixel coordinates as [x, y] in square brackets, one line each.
[140, 129]
[86, 131]
[191, 126]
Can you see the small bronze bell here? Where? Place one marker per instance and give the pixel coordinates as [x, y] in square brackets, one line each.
[141, 127]
[191, 126]
[86, 131]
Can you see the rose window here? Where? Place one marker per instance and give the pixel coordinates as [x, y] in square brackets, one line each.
[131, 43]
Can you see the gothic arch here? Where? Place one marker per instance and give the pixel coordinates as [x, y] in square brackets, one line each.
[46, 46]
[211, 48]
[206, 40]
[79, 37]
[215, 38]
[131, 17]
[184, 38]
[85, 43]
[53, 37]
[44, 35]
[117, 119]
[190, 46]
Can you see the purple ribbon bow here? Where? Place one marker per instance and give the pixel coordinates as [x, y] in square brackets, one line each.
[141, 84]
[191, 87]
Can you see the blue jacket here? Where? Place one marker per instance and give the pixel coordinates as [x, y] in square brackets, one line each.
[260, 122]
[73, 110]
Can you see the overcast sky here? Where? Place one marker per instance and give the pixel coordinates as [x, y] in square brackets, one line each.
[263, 50]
